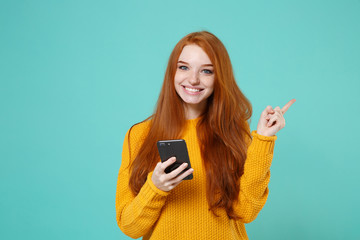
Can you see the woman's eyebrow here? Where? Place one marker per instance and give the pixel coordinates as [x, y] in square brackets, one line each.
[205, 65]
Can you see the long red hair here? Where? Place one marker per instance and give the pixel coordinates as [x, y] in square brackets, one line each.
[222, 130]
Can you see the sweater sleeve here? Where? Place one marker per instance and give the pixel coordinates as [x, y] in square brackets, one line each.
[136, 215]
[254, 182]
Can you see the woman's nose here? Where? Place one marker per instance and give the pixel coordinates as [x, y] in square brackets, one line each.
[194, 78]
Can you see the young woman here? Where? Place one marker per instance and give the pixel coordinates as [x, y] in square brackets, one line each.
[201, 103]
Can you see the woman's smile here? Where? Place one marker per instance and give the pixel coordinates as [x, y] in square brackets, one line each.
[192, 90]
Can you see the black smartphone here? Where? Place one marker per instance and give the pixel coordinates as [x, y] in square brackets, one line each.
[174, 148]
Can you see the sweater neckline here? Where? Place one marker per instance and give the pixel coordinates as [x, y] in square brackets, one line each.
[193, 121]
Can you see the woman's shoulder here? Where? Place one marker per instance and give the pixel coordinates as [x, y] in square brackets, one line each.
[140, 126]
[139, 130]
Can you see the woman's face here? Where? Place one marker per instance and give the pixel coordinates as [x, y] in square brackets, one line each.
[194, 77]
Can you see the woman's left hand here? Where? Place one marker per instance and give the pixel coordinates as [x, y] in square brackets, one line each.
[272, 120]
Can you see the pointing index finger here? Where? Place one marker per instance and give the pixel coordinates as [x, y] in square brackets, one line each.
[287, 106]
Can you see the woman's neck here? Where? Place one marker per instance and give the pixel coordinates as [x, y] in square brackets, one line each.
[193, 111]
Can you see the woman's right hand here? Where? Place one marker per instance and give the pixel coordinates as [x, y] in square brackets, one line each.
[167, 181]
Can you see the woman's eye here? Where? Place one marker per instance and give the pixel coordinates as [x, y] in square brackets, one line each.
[207, 71]
[183, 67]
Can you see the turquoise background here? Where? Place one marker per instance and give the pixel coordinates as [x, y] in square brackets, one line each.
[75, 75]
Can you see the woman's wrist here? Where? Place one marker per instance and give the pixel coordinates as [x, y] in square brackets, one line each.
[264, 134]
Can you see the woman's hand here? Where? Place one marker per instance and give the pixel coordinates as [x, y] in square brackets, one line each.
[272, 120]
[167, 181]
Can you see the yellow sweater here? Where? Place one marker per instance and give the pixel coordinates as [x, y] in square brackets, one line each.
[183, 212]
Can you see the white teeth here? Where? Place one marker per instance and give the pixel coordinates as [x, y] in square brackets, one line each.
[192, 89]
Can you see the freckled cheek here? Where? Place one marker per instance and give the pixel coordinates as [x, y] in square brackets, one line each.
[179, 78]
[176, 78]
[208, 82]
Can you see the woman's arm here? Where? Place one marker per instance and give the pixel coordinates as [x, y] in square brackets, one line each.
[136, 215]
[254, 181]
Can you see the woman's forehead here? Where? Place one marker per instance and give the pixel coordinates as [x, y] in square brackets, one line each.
[192, 53]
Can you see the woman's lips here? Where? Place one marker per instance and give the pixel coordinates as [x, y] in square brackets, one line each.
[192, 90]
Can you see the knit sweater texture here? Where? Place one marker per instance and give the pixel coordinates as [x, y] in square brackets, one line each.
[183, 213]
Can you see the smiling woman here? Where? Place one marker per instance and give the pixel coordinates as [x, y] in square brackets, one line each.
[201, 103]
